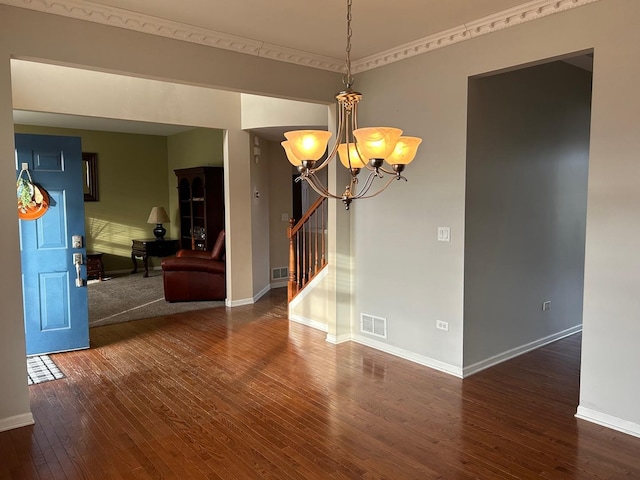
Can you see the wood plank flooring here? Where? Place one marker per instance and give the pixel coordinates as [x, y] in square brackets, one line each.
[244, 394]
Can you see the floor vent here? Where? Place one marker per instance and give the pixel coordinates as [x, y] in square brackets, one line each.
[373, 325]
[279, 273]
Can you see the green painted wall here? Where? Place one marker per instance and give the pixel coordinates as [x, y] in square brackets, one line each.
[195, 148]
[132, 178]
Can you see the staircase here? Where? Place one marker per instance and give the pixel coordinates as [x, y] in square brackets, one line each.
[307, 247]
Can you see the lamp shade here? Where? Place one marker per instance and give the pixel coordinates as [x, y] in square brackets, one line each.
[308, 144]
[377, 142]
[158, 215]
[351, 161]
[405, 151]
[290, 156]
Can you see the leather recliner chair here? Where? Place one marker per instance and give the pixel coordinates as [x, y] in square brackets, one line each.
[194, 275]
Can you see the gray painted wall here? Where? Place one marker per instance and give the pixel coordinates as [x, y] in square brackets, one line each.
[401, 271]
[526, 206]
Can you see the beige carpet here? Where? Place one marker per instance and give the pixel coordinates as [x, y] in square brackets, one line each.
[133, 297]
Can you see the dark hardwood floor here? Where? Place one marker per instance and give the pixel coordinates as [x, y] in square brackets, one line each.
[244, 394]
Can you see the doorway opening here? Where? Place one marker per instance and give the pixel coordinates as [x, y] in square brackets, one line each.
[526, 202]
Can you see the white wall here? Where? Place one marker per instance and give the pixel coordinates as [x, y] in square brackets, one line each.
[45, 87]
[404, 274]
[14, 401]
[259, 112]
[260, 199]
[525, 209]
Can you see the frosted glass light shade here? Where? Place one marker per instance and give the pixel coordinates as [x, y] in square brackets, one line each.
[356, 161]
[377, 142]
[405, 151]
[308, 144]
[290, 156]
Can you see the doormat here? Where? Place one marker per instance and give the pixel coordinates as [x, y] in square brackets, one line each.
[42, 369]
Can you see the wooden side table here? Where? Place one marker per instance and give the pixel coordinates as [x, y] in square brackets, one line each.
[151, 247]
[95, 268]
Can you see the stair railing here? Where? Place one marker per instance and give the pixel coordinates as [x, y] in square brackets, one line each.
[307, 247]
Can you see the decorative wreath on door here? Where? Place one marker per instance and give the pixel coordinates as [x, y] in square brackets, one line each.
[33, 201]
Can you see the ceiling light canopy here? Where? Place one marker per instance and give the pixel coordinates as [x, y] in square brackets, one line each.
[358, 149]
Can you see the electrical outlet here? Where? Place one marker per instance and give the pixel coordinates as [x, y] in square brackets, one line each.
[442, 325]
[546, 305]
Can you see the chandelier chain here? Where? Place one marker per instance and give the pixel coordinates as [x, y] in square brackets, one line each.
[348, 78]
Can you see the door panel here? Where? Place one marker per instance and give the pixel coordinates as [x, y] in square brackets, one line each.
[56, 311]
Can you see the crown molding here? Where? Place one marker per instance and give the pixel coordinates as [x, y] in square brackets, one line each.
[116, 17]
[121, 18]
[507, 18]
[284, 54]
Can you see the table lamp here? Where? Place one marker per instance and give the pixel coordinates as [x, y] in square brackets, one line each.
[158, 216]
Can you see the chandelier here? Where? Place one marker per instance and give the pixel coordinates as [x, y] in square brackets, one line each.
[359, 149]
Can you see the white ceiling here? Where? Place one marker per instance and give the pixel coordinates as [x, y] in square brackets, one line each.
[317, 28]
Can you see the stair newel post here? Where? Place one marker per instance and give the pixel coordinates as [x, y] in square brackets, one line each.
[292, 260]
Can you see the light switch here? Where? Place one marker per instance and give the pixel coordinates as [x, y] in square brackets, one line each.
[444, 234]
[284, 217]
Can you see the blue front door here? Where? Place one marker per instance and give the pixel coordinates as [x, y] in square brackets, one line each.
[55, 305]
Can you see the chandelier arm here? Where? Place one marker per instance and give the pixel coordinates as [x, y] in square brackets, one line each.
[323, 192]
[378, 192]
[367, 185]
[350, 137]
[334, 149]
[341, 125]
[315, 183]
[354, 117]
[388, 172]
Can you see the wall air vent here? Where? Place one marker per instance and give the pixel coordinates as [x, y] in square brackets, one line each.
[279, 273]
[373, 325]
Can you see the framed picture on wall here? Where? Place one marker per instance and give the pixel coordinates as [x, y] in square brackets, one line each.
[90, 176]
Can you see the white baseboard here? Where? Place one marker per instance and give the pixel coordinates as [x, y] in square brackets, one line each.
[308, 322]
[337, 339]
[16, 421]
[407, 355]
[248, 301]
[261, 293]
[280, 284]
[238, 303]
[515, 352]
[608, 421]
